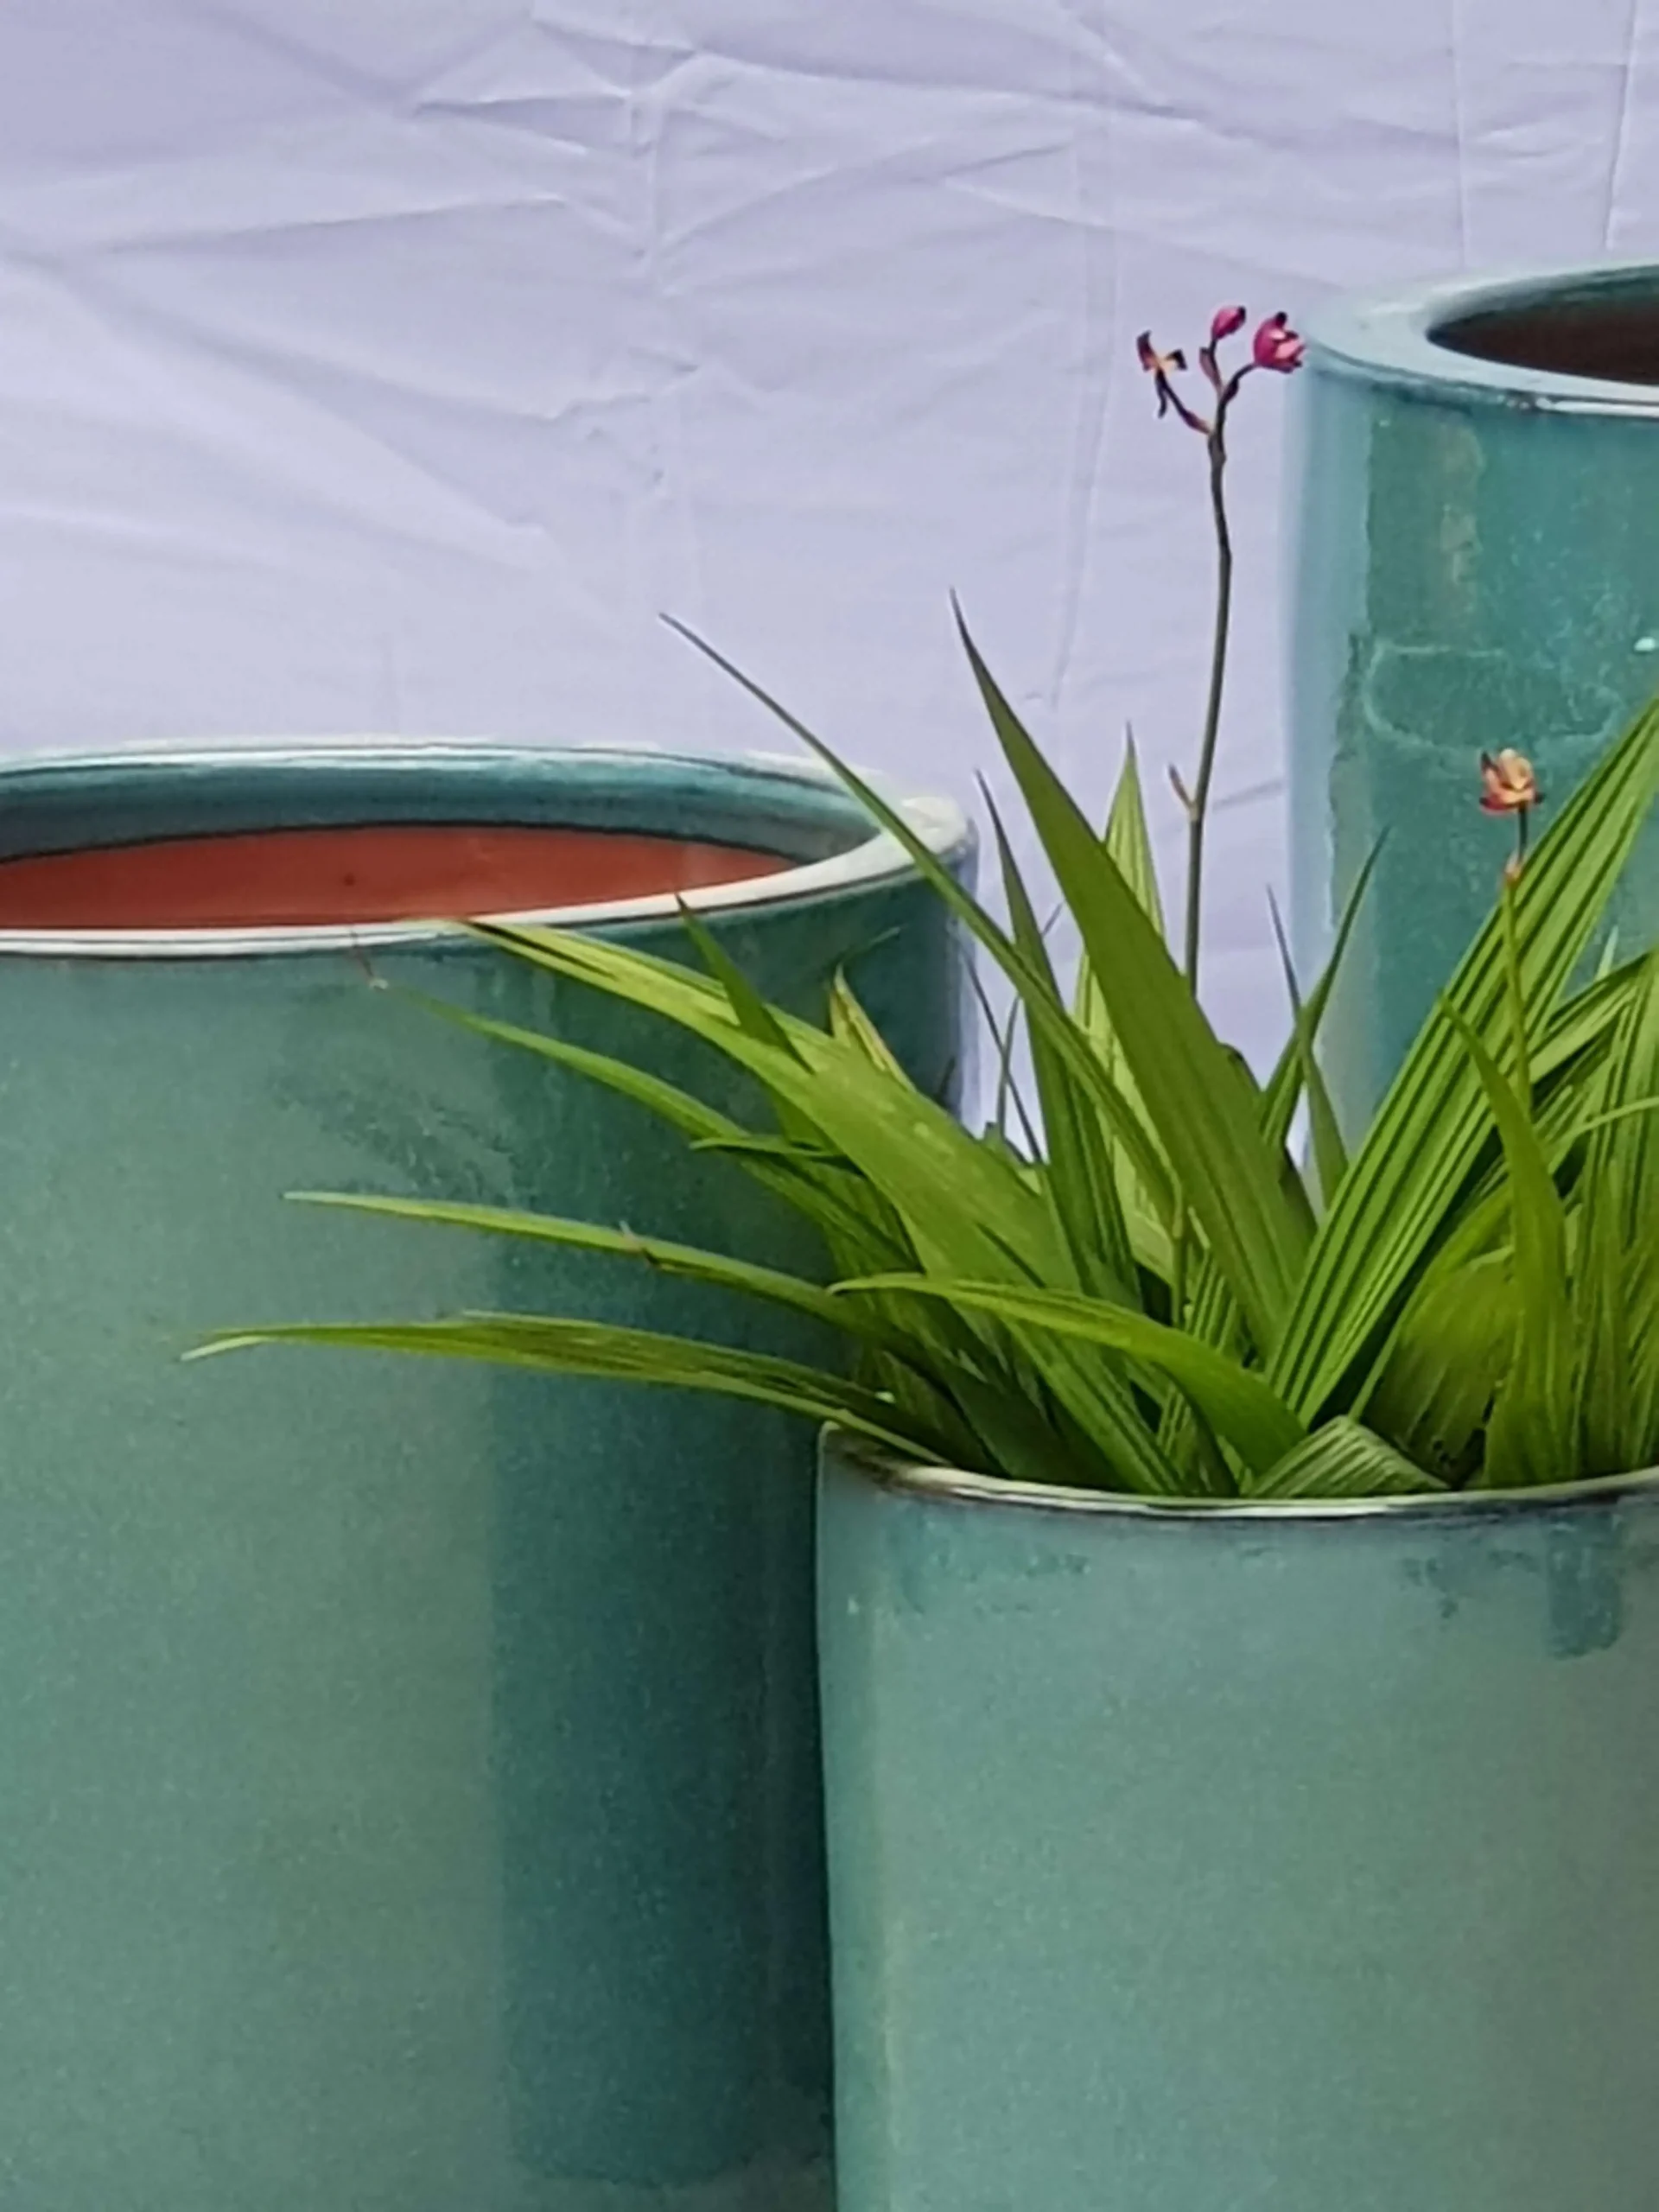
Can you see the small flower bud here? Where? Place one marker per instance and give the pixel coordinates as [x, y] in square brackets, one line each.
[1508, 784]
[1276, 346]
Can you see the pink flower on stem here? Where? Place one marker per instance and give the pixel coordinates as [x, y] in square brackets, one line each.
[1508, 783]
[1276, 346]
[1225, 323]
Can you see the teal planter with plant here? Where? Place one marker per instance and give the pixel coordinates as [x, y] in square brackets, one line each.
[410, 1777]
[1238, 1583]
[1277, 1857]
[1477, 512]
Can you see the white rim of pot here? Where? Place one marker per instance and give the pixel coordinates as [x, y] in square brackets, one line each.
[888, 1470]
[939, 822]
[1391, 335]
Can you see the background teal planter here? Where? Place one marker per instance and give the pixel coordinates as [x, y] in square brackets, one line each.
[1478, 566]
[409, 1772]
[1240, 1861]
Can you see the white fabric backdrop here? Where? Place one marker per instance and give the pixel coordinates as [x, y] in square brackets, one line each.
[389, 364]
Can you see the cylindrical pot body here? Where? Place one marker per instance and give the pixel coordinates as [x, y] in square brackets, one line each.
[1477, 566]
[410, 1769]
[1271, 1860]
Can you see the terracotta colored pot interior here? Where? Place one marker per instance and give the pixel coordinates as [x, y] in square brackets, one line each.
[1613, 335]
[385, 873]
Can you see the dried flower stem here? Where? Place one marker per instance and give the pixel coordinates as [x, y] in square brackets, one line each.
[1198, 805]
[1277, 347]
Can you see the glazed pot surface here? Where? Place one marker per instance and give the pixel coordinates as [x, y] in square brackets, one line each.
[1476, 567]
[1276, 1861]
[411, 1771]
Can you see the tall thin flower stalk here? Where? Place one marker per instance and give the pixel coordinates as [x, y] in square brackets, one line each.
[1276, 347]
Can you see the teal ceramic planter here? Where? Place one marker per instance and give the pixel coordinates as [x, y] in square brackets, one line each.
[1271, 1860]
[1477, 487]
[410, 1772]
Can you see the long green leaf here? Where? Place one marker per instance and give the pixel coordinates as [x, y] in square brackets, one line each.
[967, 1210]
[1040, 1009]
[1196, 1098]
[1004, 1035]
[1404, 1184]
[1642, 1308]
[952, 1193]
[1618, 1230]
[924, 1367]
[829, 1195]
[861, 1231]
[1587, 1022]
[1082, 1182]
[690, 1115]
[604, 1350]
[849, 1022]
[1530, 1438]
[1128, 841]
[1634, 1156]
[1281, 1093]
[1237, 1403]
[847, 1209]
[1439, 1368]
[685, 1261]
[1213, 1314]
[1343, 1460]
[752, 1011]
[1330, 1153]
[1602, 1321]
[1453, 1347]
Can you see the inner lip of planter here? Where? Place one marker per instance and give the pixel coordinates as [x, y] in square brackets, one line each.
[1429, 1509]
[1609, 333]
[306, 846]
[361, 873]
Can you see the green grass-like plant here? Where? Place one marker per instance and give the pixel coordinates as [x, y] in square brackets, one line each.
[1162, 1299]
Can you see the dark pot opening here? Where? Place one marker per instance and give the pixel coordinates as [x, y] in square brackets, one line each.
[1608, 331]
[363, 874]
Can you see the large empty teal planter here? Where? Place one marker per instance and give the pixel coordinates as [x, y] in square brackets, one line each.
[410, 1773]
[1478, 567]
[1241, 1859]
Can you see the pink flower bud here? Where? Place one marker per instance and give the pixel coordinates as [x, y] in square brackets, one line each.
[1227, 322]
[1277, 346]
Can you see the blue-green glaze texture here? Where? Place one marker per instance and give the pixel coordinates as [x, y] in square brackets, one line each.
[409, 1772]
[1477, 565]
[1220, 1862]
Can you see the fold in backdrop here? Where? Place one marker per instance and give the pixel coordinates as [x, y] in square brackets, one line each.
[391, 364]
